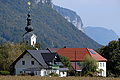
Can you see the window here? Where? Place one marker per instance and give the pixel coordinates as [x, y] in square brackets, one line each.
[33, 43]
[92, 51]
[27, 42]
[20, 71]
[100, 64]
[32, 62]
[23, 62]
[103, 64]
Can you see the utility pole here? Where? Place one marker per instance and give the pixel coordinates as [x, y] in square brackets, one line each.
[75, 63]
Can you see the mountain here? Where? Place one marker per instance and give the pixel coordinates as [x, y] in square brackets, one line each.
[101, 35]
[51, 28]
[70, 15]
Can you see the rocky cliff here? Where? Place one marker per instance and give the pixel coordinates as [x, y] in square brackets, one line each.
[71, 16]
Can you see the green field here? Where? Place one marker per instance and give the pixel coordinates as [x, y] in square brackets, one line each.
[53, 78]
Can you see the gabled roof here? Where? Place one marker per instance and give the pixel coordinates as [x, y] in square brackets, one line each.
[38, 56]
[78, 54]
[41, 56]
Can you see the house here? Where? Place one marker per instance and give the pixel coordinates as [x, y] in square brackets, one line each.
[77, 55]
[38, 62]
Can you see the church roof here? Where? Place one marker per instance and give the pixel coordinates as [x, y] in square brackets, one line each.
[28, 35]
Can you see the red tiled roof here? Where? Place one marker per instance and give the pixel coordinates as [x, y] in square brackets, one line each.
[78, 54]
[97, 56]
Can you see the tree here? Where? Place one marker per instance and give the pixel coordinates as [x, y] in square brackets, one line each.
[112, 53]
[9, 52]
[65, 62]
[89, 66]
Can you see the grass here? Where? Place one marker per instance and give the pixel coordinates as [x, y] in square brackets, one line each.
[53, 78]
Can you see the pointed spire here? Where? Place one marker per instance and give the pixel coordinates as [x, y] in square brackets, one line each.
[29, 27]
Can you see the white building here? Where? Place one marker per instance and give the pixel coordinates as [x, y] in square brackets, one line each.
[38, 62]
[76, 55]
[29, 37]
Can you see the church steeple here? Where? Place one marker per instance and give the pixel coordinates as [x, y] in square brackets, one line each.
[29, 37]
[29, 27]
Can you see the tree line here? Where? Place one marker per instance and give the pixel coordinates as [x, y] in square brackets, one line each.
[9, 52]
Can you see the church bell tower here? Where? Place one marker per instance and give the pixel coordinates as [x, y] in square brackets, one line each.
[29, 37]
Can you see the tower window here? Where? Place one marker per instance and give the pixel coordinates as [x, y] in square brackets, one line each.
[32, 62]
[23, 62]
[33, 43]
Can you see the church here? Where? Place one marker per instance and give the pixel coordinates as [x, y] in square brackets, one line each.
[29, 37]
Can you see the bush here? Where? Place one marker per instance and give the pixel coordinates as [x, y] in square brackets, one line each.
[4, 73]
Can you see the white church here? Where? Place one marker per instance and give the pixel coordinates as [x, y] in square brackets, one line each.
[29, 37]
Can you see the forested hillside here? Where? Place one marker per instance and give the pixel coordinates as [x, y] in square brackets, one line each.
[50, 27]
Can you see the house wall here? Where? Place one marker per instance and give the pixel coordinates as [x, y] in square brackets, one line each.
[102, 68]
[27, 58]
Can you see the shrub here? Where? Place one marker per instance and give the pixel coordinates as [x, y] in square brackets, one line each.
[4, 73]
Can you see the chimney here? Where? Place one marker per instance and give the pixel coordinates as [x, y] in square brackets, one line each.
[65, 47]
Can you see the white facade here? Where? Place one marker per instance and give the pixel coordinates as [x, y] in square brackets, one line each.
[102, 68]
[30, 38]
[33, 39]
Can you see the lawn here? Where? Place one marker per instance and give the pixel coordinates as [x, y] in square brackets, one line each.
[53, 78]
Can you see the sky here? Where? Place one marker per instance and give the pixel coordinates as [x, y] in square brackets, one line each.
[96, 13]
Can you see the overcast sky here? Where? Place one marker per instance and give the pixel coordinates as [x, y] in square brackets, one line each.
[96, 13]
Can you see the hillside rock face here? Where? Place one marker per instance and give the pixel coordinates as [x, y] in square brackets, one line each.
[71, 16]
[101, 35]
[52, 30]
[49, 2]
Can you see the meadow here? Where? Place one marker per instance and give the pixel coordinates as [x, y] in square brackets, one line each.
[53, 78]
